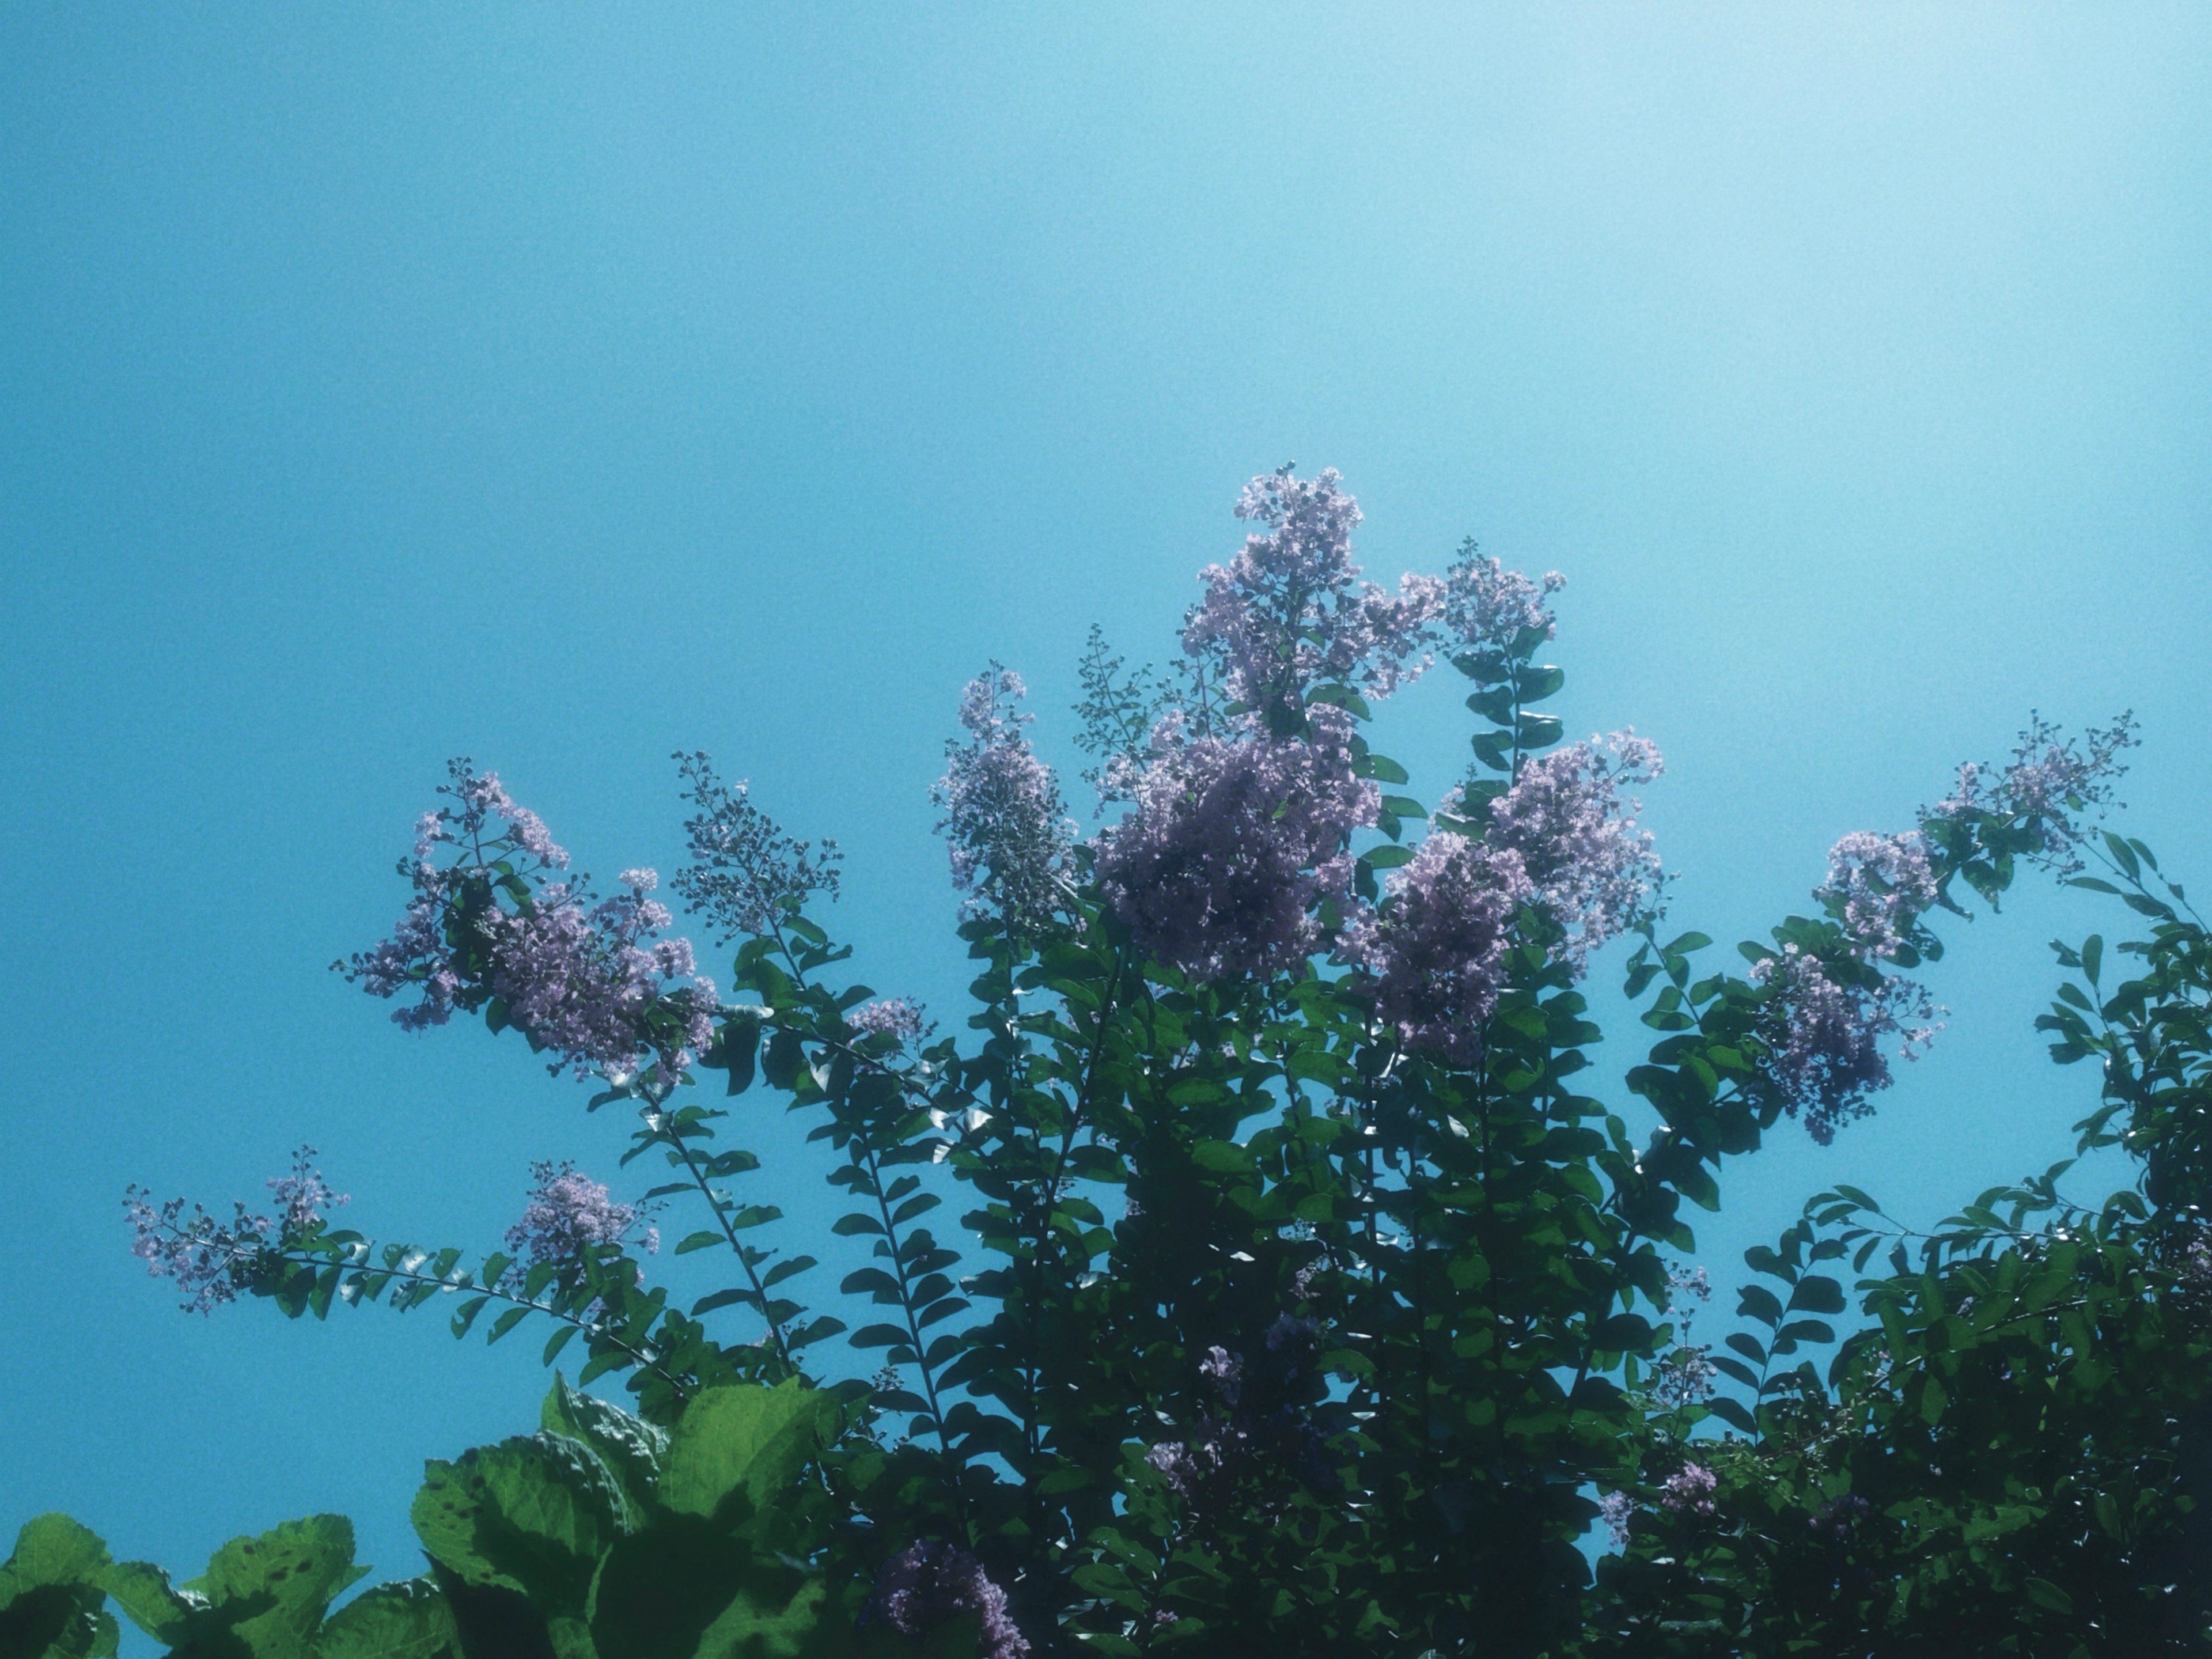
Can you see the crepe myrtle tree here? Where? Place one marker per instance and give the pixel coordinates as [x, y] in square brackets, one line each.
[1297, 1298]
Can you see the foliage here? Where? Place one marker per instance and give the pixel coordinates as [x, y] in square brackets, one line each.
[1301, 1300]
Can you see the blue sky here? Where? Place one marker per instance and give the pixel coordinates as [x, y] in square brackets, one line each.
[565, 387]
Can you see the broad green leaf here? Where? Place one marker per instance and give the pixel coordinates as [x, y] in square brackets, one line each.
[632, 1449]
[530, 1514]
[407, 1620]
[265, 1596]
[657, 1591]
[51, 1606]
[144, 1593]
[742, 1447]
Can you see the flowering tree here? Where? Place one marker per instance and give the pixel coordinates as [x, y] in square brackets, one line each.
[1300, 1301]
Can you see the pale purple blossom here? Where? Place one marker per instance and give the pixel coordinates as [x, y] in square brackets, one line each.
[2059, 785]
[303, 1195]
[570, 1214]
[1592, 869]
[1233, 843]
[892, 1017]
[1225, 1370]
[1616, 1509]
[746, 874]
[1689, 1490]
[1435, 952]
[1487, 606]
[590, 981]
[1289, 612]
[211, 1261]
[1823, 1036]
[1005, 830]
[931, 1582]
[1880, 885]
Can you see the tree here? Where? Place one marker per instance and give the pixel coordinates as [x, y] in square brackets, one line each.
[1302, 1302]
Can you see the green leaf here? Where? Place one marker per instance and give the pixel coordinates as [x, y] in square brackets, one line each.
[409, 1620]
[144, 1593]
[2123, 855]
[632, 1449]
[270, 1593]
[1539, 731]
[737, 1449]
[2044, 1593]
[687, 1590]
[51, 1606]
[1817, 1293]
[532, 1514]
[780, 1064]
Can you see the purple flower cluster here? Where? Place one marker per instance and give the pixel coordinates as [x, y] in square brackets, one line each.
[930, 1582]
[1689, 1490]
[746, 874]
[892, 1017]
[1234, 842]
[1008, 835]
[1435, 952]
[1591, 868]
[1561, 838]
[1289, 612]
[1880, 886]
[567, 1213]
[1824, 1037]
[212, 1260]
[1616, 1509]
[585, 983]
[1686, 1377]
[303, 1195]
[1485, 605]
[2058, 784]
[589, 980]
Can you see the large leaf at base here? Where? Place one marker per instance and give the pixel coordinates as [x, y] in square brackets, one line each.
[156, 1607]
[51, 1606]
[531, 1515]
[267, 1594]
[738, 1449]
[410, 1620]
[632, 1449]
[686, 1589]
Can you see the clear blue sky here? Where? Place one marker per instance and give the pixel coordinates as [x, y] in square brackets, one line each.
[564, 386]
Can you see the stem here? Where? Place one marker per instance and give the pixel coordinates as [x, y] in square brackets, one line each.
[906, 1298]
[722, 1217]
[590, 1328]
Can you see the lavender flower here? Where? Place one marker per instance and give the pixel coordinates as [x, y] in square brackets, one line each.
[1616, 1509]
[1225, 1370]
[1689, 1490]
[1590, 866]
[1233, 843]
[1879, 886]
[930, 1582]
[893, 1017]
[1288, 612]
[1485, 606]
[1436, 952]
[570, 1214]
[1823, 1036]
[1686, 1377]
[210, 1260]
[746, 874]
[2059, 785]
[1008, 835]
[590, 981]
[303, 1194]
